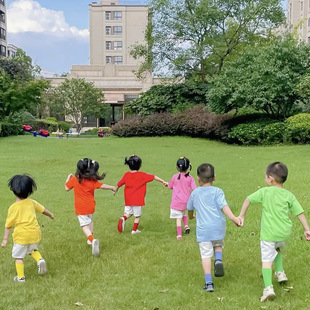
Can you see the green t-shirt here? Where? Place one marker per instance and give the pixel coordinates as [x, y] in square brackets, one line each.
[277, 202]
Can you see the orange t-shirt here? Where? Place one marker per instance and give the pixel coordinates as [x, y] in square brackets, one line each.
[84, 195]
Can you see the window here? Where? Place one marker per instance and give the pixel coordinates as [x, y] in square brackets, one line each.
[308, 40]
[117, 15]
[108, 30]
[2, 16]
[108, 15]
[309, 20]
[2, 2]
[130, 97]
[2, 33]
[117, 30]
[108, 45]
[301, 5]
[117, 45]
[108, 59]
[2, 50]
[118, 59]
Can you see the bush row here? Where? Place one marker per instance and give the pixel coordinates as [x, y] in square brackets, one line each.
[8, 129]
[194, 122]
[199, 122]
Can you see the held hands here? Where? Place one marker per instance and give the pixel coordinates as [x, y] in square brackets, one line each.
[238, 221]
[307, 235]
[165, 184]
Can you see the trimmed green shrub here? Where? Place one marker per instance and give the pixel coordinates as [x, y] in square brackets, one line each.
[8, 129]
[49, 125]
[264, 131]
[65, 126]
[298, 128]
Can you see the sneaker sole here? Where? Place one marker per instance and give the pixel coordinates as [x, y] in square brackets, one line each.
[219, 270]
[42, 268]
[269, 297]
[120, 226]
[187, 231]
[95, 247]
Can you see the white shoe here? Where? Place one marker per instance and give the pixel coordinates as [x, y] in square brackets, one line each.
[42, 268]
[88, 242]
[281, 276]
[133, 232]
[95, 247]
[268, 294]
[17, 279]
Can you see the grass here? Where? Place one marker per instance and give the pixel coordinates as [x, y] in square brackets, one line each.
[151, 270]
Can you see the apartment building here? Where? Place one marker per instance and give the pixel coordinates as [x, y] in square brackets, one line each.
[3, 23]
[11, 50]
[114, 29]
[298, 15]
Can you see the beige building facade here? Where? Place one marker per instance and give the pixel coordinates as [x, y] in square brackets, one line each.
[114, 30]
[298, 14]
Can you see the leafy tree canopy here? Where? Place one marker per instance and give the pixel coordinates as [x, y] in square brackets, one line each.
[193, 38]
[77, 98]
[265, 78]
[169, 98]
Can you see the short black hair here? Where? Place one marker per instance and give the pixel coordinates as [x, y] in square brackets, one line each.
[134, 162]
[205, 172]
[278, 171]
[22, 185]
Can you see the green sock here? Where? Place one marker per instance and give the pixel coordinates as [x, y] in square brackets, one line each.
[267, 276]
[278, 262]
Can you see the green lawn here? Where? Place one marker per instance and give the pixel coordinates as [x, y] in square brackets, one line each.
[151, 270]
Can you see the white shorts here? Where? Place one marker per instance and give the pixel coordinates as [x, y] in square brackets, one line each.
[176, 214]
[21, 250]
[85, 220]
[136, 211]
[207, 248]
[268, 250]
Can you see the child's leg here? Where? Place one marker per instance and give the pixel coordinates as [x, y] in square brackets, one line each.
[267, 273]
[36, 255]
[179, 228]
[206, 253]
[128, 212]
[136, 223]
[218, 262]
[19, 265]
[88, 232]
[186, 227]
[278, 261]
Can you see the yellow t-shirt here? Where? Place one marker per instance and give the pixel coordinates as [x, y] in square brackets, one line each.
[22, 215]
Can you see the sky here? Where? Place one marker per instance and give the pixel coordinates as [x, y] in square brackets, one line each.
[54, 33]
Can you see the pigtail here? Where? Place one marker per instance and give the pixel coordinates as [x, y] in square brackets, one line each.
[88, 169]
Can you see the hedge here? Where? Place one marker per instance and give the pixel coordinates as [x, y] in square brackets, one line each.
[8, 129]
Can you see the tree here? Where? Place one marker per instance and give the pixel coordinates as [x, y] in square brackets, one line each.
[76, 99]
[195, 37]
[265, 78]
[169, 98]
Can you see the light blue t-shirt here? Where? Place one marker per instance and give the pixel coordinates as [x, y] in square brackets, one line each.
[208, 202]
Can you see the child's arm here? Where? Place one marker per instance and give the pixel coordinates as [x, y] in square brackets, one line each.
[106, 186]
[190, 214]
[244, 208]
[48, 213]
[305, 225]
[68, 178]
[6, 236]
[165, 184]
[227, 211]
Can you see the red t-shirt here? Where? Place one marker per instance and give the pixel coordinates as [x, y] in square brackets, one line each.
[84, 195]
[135, 187]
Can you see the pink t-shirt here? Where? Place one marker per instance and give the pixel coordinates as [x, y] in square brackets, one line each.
[182, 189]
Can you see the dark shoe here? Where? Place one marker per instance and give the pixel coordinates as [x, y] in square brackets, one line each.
[187, 230]
[218, 268]
[209, 287]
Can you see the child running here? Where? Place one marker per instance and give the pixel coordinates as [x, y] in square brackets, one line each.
[276, 225]
[27, 233]
[209, 202]
[135, 189]
[182, 185]
[84, 183]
